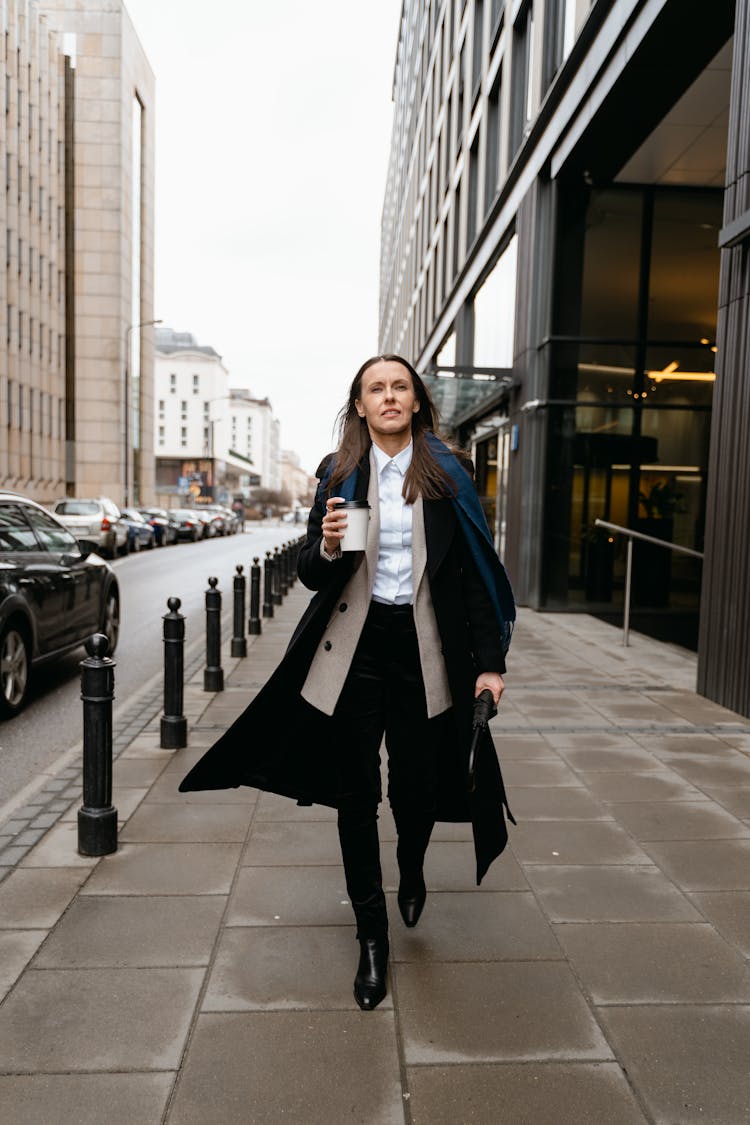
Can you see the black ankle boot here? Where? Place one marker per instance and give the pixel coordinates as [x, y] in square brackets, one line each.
[412, 894]
[369, 983]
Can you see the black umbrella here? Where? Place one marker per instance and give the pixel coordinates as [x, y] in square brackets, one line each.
[484, 710]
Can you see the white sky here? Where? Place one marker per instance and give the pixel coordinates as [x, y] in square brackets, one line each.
[272, 135]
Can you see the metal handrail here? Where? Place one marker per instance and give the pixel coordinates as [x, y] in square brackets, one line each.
[629, 563]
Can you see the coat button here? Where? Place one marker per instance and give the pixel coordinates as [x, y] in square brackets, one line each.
[327, 646]
[343, 607]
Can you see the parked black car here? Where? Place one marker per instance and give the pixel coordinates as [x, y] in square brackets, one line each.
[164, 524]
[189, 525]
[54, 593]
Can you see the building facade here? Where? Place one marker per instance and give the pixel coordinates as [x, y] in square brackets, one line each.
[32, 227]
[298, 484]
[79, 220]
[212, 440]
[551, 252]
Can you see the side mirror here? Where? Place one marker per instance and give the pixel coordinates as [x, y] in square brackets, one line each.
[87, 547]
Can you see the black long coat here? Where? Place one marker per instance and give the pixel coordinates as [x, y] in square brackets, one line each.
[279, 743]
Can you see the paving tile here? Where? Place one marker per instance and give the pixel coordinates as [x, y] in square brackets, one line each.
[521, 747]
[677, 820]
[166, 791]
[17, 947]
[13, 854]
[451, 866]
[539, 803]
[609, 894]
[130, 932]
[574, 841]
[612, 758]
[135, 773]
[273, 843]
[523, 1094]
[688, 1063]
[734, 798]
[712, 771]
[59, 848]
[106, 1019]
[32, 898]
[262, 1056]
[273, 807]
[500, 926]
[519, 1011]
[52, 1099]
[729, 912]
[705, 865]
[655, 963]
[646, 786]
[166, 869]
[262, 969]
[289, 896]
[596, 742]
[539, 773]
[188, 823]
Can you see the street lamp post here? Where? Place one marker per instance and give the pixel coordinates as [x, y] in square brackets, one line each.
[128, 404]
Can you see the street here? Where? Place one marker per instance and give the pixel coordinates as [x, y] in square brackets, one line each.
[51, 724]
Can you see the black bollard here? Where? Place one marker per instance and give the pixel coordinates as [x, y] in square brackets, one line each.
[239, 644]
[253, 625]
[97, 818]
[284, 571]
[173, 722]
[276, 587]
[268, 585]
[213, 676]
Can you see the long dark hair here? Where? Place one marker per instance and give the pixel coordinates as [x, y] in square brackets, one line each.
[424, 477]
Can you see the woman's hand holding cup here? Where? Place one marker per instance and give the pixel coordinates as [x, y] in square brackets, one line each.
[334, 525]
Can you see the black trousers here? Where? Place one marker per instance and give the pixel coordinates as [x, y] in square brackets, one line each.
[383, 695]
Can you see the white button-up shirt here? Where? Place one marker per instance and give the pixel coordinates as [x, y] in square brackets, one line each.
[393, 581]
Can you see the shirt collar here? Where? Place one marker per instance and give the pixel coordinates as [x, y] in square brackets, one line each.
[402, 460]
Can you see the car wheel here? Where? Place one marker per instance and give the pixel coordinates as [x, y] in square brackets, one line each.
[111, 621]
[151, 542]
[15, 667]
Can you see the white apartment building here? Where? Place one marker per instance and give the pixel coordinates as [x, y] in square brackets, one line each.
[252, 430]
[211, 440]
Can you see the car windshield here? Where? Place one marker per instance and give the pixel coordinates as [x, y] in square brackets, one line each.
[77, 508]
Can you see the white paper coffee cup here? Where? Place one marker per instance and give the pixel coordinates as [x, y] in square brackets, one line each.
[357, 518]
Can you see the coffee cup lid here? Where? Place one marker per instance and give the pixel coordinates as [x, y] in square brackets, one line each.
[351, 504]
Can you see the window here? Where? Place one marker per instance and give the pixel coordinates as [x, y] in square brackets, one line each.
[554, 36]
[473, 201]
[161, 405]
[492, 166]
[53, 537]
[173, 384]
[478, 43]
[161, 435]
[196, 384]
[183, 407]
[15, 533]
[522, 76]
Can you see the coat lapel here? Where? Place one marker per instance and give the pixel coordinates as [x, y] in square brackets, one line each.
[373, 527]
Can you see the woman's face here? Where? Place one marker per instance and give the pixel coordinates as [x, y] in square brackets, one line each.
[387, 400]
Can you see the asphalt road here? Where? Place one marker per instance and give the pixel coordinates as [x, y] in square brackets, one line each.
[51, 724]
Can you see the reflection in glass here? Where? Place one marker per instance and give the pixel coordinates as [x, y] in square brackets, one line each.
[611, 264]
[684, 274]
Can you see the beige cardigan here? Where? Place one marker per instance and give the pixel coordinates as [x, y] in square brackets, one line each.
[335, 652]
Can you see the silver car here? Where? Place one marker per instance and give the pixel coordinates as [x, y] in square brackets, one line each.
[97, 520]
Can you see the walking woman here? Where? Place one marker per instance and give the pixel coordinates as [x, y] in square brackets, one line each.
[398, 641]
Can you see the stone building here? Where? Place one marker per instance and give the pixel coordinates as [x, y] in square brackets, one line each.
[79, 206]
[212, 440]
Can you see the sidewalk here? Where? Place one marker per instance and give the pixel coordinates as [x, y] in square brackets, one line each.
[203, 974]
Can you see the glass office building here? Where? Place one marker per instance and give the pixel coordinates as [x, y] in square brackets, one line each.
[555, 227]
